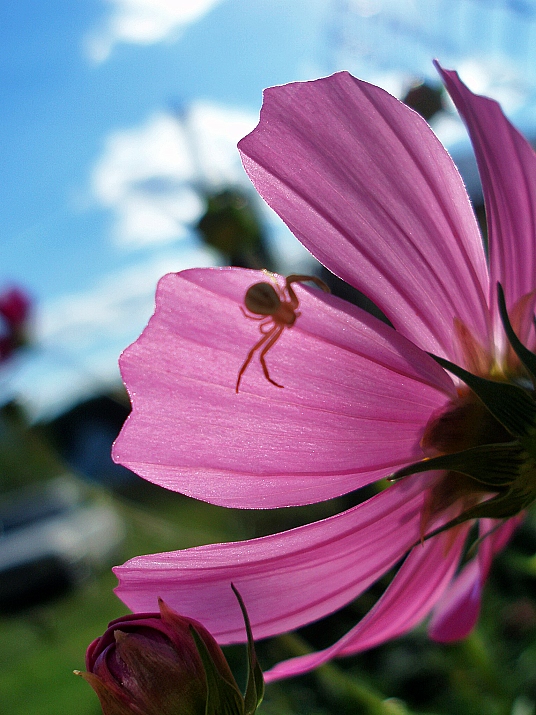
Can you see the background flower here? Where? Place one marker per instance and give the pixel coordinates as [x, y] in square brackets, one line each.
[15, 307]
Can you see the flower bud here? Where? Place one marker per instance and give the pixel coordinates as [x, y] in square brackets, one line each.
[15, 308]
[160, 664]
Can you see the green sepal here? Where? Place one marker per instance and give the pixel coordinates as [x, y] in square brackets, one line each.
[511, 405]
[502, 506]
[527, 358]
[223, 697]
[495, 465]
[255, 682]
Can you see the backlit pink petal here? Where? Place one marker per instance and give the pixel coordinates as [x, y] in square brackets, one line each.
[366, 186]
[286, 579]
[409, 598]
[521, 316]
[355, 401]
[507, 166]
[457, 612]
[497, 539]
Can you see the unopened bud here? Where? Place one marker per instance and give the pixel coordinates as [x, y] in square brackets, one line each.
[166, 664]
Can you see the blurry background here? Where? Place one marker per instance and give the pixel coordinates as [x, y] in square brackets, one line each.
[120, 120]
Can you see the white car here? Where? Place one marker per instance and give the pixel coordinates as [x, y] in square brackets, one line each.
[52, 536]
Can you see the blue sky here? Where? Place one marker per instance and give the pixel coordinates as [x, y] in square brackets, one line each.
[59, 108]
[85, 93]
[97, 169]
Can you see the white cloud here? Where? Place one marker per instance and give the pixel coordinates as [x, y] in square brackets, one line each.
[144, 22]
[497, 77]
[79, 337]
[149, 176]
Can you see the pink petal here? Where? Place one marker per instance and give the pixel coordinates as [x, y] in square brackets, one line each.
[15, 306]
[286, 579]
[497, 540]
[457, 612]
[507, 166]
[365, 185]
[356, 397]
[521, 316]
[409, 598]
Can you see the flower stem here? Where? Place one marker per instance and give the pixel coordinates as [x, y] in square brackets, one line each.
[343, 686]
[478, 678]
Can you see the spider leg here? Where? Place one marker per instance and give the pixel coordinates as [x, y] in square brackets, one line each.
[295, 278]
[251, 317]
[265, 338]
[268, 324]
[273, 337]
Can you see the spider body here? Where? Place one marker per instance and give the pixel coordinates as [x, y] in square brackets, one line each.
[276, 309]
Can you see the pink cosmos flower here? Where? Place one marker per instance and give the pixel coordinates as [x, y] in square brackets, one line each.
[15, 307]
[363, 182]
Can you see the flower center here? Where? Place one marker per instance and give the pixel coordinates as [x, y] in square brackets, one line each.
[484, 443]
[464, 424]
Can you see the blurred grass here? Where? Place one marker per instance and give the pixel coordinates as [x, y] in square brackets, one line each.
[39, 652]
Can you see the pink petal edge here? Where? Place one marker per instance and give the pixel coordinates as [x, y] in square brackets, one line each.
[286, 579]
[415, 589]
[507, 166]
[355, 401]
[365, 185]
[457, 612]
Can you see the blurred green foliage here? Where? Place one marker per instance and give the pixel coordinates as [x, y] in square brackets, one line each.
[232, 225]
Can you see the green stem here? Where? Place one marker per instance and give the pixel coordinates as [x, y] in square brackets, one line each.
[482, 677]
[343, 686]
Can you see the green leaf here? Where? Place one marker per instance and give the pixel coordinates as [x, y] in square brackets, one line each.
[223, 698]
[511, 405]
[496, 465]
[255, 682]
[527, 357]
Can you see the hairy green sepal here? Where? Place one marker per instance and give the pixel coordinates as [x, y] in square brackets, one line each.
[223, 697]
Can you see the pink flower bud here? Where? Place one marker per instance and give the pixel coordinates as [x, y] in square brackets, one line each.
[15, 308]
[149, 664]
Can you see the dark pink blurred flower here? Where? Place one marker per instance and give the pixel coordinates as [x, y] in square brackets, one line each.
[366, 186]
[15, 306]
[150, 664]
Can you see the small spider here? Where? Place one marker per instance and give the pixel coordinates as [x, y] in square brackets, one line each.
[276, 313]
